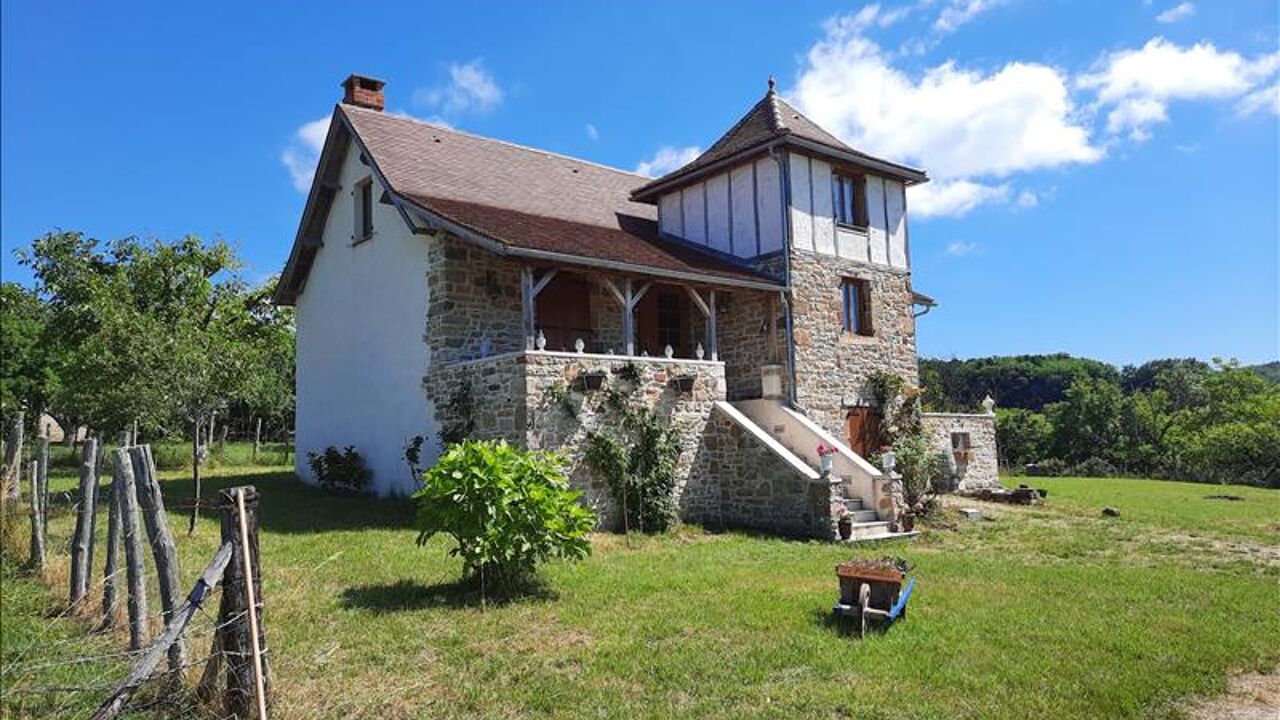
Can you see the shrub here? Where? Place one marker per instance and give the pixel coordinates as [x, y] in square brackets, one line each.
[1052, 467]
[339, 469]
[640, 464]
[507, 509]
[923, 469]
[1094, 467]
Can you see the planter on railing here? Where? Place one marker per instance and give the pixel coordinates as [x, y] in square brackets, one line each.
[683, 383]
[589, 380]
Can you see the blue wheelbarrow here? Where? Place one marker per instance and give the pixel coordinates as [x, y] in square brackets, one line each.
[873, 591]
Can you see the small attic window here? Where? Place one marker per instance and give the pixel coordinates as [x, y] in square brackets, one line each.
[849, 199]
[363, 210]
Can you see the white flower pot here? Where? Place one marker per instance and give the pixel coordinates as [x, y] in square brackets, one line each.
[824, 463]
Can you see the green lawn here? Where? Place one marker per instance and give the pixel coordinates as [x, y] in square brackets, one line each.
[1047, 612]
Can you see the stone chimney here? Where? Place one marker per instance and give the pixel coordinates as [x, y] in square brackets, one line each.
[362, 91]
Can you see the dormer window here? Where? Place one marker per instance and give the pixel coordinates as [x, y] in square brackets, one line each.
[849, 198]
[364, 210]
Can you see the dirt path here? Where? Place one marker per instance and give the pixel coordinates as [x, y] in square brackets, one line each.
[1252, 696]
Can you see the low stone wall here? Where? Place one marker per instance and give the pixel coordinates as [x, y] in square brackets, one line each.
[983, 468]
[529, 398]
[739, 482]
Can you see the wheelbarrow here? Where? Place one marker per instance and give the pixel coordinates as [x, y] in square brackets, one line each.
[873, 591]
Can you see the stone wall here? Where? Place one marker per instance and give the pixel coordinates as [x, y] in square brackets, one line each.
[739, 482]
[744, 340]
[474, 304]
[832, 366]
[983, 468]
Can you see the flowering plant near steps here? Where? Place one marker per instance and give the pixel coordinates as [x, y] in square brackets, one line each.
[825, 450]
[507, 510]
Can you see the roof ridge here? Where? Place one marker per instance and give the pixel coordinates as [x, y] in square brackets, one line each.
[419, 121]
[775, 114]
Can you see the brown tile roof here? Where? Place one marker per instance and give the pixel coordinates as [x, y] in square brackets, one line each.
[770, 119]
[527, 199]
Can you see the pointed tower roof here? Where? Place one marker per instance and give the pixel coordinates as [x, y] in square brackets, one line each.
[772, 121]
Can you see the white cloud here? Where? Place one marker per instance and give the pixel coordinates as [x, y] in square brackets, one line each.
[1176, 13]
[592, 132]
[960, 12]
[953, 198]
[1027, 199]
[303, 152]
[1138, 84]
[471, 88]
[960, 247]
[961, 125]
[1266, 99]
[666, 159]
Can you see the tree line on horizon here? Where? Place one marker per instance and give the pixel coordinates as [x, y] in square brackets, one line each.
[1173, 418]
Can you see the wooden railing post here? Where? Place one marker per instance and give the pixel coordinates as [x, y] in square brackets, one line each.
[111, 571]
[82, 541]
[163, 549]
[131, 534]
[244, 679]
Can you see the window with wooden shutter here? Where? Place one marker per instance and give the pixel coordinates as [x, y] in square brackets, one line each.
[849, 200]
[364, 210]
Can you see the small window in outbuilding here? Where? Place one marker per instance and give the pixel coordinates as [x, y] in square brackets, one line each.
[961, 446]
[856, 297]
[364, 210]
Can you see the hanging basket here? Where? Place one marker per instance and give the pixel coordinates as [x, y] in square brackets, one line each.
[683, 383]
[589, 380]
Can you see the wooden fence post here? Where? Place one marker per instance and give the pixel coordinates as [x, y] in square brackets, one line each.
[237, 639]
[110, 573]
[99, 442]
[37, 522]
[42, 472]
[82, 541]
[12, 479]
[163, 550]
[132, 538]
[257, 439]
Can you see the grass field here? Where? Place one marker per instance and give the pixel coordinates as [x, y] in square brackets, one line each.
[1047, 612]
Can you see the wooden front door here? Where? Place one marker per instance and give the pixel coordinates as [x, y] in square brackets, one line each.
[863, 428]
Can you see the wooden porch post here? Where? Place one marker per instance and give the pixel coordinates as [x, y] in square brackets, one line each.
[628, 298]
[709, 312]
[529, 289]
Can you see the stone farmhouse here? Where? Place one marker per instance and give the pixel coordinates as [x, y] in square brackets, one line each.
[454, 285]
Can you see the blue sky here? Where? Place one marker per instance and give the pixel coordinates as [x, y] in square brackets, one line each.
[1106, 172]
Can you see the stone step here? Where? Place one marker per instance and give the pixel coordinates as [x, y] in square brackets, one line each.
[881, 536]
[864, 530]
[864, 516]
[852, 504]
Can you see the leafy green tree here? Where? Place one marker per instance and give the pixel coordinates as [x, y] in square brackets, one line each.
[1022, 436]
[27, 379]
[1087, 423]
[507, 510]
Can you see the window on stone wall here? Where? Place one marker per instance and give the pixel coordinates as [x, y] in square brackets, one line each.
[961, 447]
[849, 198]
[856, 296]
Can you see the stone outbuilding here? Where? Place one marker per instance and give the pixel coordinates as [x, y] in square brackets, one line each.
[449, 285]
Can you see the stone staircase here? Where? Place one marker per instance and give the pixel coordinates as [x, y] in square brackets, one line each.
[800, 437]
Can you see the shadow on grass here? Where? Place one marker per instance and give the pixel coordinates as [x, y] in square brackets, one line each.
[412, 595]
[847, 626]
[288, 505]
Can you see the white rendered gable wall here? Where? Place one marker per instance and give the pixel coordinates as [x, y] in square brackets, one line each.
[361, 353]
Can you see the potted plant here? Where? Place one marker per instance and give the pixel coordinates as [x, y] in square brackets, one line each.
[845, 526]
[589, 380]
[825, 457]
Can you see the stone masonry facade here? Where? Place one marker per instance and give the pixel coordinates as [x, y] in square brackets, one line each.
[983, 467]
[832, 366]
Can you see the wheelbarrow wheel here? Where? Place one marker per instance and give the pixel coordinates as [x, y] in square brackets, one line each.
[864, 600]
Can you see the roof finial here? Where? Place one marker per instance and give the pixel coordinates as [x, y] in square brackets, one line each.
[772, 82]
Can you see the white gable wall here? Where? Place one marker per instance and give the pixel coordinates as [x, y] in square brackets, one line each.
[737, 212]
[812, 216]
[361, 353]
